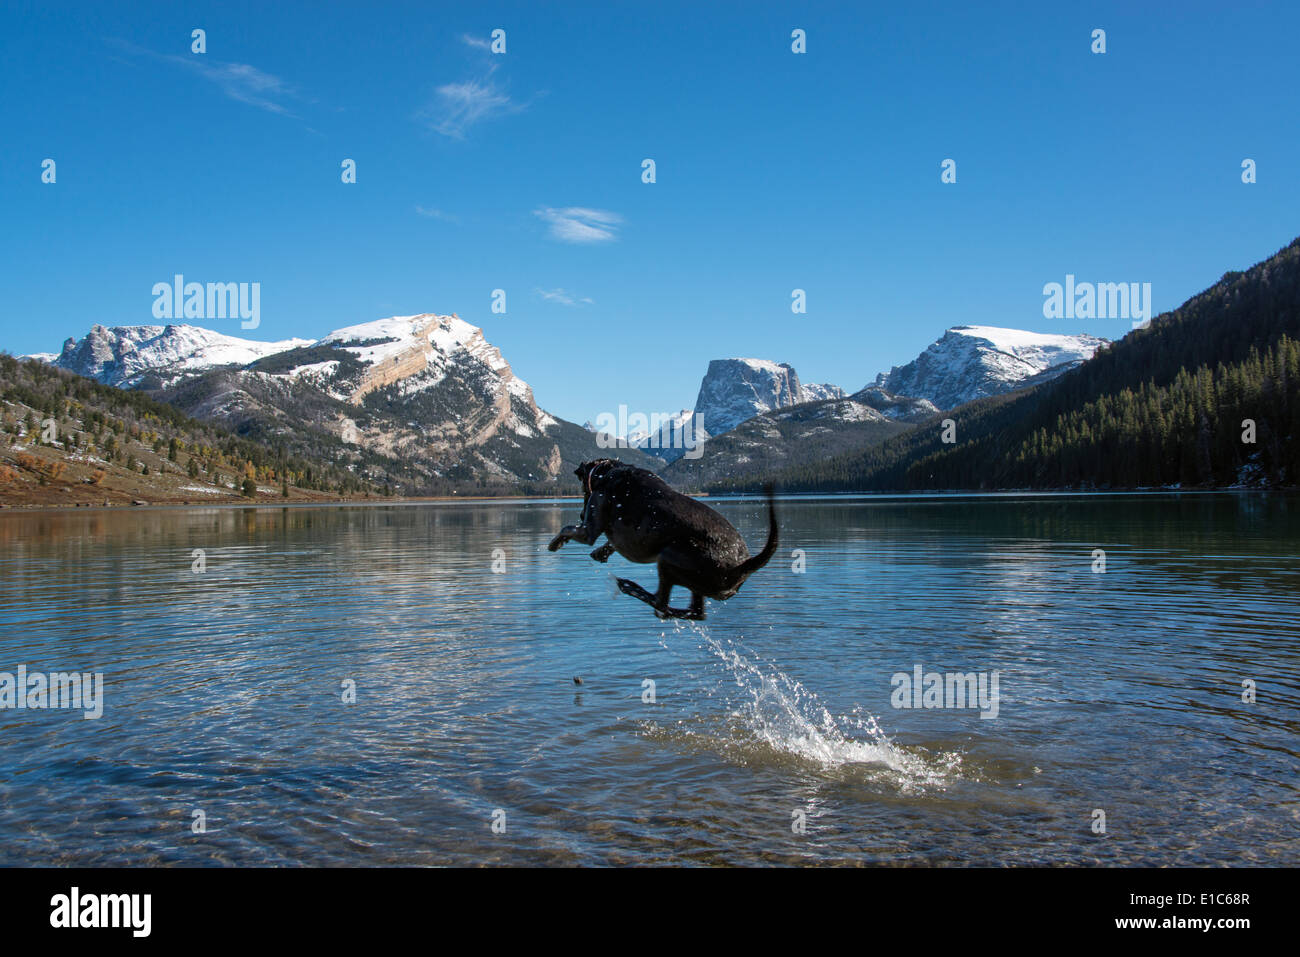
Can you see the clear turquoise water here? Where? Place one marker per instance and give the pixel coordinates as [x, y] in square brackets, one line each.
[1118, 691]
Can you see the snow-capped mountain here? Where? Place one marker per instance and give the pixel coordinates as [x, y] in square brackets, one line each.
[426, 389]
[734, 390]
[667, 427]
[968, 362]
[669, 437]
[431, 393]
[779, 438]
[420, 352]
[124, 355]
[971, 362]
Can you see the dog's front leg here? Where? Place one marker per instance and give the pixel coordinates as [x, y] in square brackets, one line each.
[602, 554]
[582, 534]
[565, 534]
[589, 528]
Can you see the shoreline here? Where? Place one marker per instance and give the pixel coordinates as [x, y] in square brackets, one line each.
[28, 508]
[272, 503]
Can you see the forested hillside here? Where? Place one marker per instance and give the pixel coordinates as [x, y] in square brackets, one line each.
[1206, 396]
[68, 440]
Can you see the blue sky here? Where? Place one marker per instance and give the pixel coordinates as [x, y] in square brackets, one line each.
[775, 171]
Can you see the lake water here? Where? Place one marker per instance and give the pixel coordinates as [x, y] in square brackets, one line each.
[770, 735]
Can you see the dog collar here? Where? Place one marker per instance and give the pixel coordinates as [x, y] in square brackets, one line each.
[590, 474]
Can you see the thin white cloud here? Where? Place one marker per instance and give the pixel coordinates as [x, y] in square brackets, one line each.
[578, 224]
[454, 108]
[433, 213]
[564, 298]
[458, 106]
[241, 82]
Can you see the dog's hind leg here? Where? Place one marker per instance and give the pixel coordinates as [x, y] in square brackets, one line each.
[682, 570]
[629, 587]
[697, 607]
[694, 613]
[659, 601]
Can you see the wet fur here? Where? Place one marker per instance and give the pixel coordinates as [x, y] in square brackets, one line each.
[645, 521]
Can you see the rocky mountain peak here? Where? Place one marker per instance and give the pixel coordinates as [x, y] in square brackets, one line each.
[735, 390]
[971, 362]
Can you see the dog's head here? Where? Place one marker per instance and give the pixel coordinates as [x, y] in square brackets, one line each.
[584, 471]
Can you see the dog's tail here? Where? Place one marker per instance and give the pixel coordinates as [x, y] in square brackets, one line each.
[748, 567]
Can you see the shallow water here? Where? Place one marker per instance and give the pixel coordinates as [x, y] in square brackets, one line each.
[771, 736]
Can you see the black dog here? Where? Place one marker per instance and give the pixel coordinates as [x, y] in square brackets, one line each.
[646, 521]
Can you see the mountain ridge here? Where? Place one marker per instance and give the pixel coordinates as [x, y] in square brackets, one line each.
[431, 394]
[974, 362]
[427, 391]
[1204, 396]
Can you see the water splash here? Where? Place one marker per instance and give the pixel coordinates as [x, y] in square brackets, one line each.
[773, 715]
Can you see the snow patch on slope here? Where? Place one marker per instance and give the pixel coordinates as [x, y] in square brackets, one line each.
[971, 362]
[123, 355]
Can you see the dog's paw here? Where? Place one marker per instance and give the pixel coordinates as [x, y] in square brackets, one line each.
[602, 554]
[556, 542]
[627, 586]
